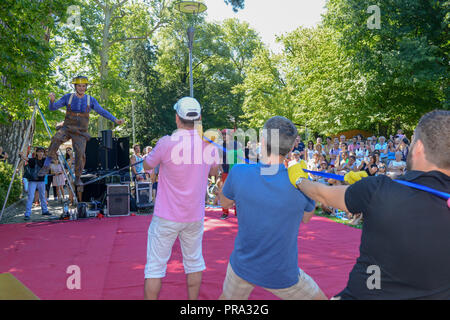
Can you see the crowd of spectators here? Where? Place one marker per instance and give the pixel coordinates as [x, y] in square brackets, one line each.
[375, 155]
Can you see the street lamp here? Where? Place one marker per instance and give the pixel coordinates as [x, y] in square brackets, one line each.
[191, 7]
[132, 91]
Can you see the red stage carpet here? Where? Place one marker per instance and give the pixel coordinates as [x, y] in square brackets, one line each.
[111, 255]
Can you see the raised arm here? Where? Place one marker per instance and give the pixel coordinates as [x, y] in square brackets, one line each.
[58, 104]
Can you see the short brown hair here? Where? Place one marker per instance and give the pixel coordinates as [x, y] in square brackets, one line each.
[434, 132]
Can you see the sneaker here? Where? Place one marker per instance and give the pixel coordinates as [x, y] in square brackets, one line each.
[46, 213]
[26, 218]
[224, 216]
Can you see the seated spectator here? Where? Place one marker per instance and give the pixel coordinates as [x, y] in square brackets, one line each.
[295, 158]
[372, 170]
[371, 165]
[318, 148]
[370, 146]
[381, 169]
[354, 144]
[350, 165]
[361, 152]
[334, 153]
[3, 155]
[397, 167]
[319, 140]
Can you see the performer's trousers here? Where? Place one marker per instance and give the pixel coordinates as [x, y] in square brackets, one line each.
[75, 128]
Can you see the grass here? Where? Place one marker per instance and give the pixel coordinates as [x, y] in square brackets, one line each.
[320, 213]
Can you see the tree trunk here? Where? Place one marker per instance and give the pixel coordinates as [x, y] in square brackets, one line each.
[12, 136]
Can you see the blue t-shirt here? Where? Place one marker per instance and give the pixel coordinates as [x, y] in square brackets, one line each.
[270, 211]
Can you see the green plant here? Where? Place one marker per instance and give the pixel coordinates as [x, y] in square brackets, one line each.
[6, 172]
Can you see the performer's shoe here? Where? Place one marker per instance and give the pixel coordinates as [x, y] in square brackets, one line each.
[44, 171]
[78, 181]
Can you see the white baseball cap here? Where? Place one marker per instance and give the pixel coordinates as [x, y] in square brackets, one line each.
[188, 108]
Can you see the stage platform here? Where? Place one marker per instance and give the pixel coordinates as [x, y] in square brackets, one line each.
[111, 255]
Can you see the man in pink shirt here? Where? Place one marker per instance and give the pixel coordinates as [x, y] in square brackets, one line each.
[185, 162]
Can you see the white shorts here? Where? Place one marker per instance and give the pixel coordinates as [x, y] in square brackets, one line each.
[162, 234]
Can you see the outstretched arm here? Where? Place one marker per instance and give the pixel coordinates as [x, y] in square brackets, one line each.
[105, 113]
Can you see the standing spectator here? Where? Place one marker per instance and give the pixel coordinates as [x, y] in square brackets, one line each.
[309, 152]
[3, 155]
[390, 152]
[342, 139]
[180, 201]
[70, 162]
[334, 153]
[327, 147]
[35, 182]
[265, 252]
[137, 170]
[300, 146]
[403, 147]
[58, 179]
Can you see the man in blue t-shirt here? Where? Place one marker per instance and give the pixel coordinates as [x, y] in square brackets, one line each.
[265, 252]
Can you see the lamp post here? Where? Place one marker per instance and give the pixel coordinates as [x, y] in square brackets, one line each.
[191, 7]
[132, 91]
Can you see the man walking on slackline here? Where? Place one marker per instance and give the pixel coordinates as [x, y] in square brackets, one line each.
[75, 125]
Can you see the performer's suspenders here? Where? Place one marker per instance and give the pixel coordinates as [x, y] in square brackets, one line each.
[88, 107]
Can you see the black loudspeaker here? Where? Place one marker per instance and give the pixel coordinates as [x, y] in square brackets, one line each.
[94, 190]
[108, 157]
[143, 194]
[92, 155]
[123, 152]
[107, 139]
[118, 200]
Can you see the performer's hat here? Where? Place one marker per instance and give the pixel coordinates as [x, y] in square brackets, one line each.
[80, 80]
[188, 108]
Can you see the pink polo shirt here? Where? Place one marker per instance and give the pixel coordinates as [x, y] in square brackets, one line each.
[185, 161]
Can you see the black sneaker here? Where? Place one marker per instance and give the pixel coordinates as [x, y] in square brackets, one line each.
[224, 216]
[27, 218]
[46, 213]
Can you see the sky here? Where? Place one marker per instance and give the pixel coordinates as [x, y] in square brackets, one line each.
[270, 17]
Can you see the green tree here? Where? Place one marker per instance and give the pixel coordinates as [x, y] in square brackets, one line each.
[405, 63]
